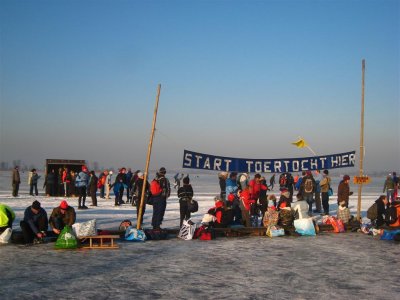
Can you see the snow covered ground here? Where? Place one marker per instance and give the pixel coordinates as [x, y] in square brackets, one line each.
[328, 266]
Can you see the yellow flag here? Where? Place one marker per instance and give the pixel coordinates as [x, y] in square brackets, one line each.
[300, 143]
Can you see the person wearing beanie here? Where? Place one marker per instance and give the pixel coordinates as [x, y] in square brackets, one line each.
[61, 216]
[185, 195]
[344, 191]
[35, 223]
[160, 201]
[325, 185]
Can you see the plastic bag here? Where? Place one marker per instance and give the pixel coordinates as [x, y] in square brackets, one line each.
[305, 226]
[66, 239]
[273, 231]
[135, 235]
[85, 229]
[187, 230]
[6, 236]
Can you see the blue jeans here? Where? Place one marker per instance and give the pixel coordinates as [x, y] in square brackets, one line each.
[309, 199]
[390, 195]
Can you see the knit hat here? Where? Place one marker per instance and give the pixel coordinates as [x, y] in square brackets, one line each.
[231, 197]
[63, 204]
[36, 205]
[346, 177]
[162, 171]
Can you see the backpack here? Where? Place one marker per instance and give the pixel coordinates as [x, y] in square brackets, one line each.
[372, 212]
[308, 186]
[165, 188]
[155, 188]
[392, 214]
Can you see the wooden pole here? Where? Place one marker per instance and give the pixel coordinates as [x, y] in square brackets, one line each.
[361, 141]
[145, 175]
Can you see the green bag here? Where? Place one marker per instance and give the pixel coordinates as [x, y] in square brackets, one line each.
[66, 239]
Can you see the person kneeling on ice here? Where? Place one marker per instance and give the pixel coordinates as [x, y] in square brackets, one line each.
[61, 216]
[377, 211]
[7, 217]
[35, 223]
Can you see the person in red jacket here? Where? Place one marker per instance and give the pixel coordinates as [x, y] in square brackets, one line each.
[245, 205]
[255, 187]
[223, 215]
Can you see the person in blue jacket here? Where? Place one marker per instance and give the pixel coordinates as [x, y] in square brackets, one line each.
[81, 182]
[231, 185]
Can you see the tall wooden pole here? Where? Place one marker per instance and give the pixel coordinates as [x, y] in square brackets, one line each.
[361, 142]
[145, 175]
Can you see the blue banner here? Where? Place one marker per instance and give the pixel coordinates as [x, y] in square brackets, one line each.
[195, 160]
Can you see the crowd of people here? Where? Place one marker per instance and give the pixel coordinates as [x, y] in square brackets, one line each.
[242, 200]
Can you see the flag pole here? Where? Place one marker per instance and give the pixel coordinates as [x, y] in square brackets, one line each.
[145, 175]
[361, 141]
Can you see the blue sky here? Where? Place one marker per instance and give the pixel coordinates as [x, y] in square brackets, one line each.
[239, 78]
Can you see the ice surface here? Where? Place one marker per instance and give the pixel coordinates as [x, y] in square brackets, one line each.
[328, 266]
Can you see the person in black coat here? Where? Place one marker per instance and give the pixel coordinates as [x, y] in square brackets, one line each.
[93, 187]
[185, 195]
[35, 223]
[50, 183]
[137, 191]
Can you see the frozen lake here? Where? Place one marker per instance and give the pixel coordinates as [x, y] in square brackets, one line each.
[329, 266]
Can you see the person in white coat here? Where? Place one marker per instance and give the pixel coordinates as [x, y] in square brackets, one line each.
[108, 183]
[300, 208]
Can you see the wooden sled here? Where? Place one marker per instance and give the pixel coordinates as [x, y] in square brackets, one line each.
[99, 242]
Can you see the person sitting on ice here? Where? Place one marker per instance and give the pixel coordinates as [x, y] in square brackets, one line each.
[286, 217]
[271, 216]
[61, 216]
[223, 216]
[343, 213]
[300, 208]
[35, 223]
[284, 198]
[7, 217]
